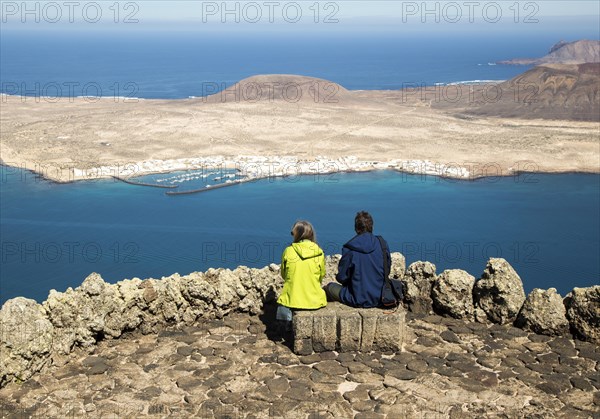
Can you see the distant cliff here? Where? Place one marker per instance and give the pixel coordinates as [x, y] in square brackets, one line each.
[578, 52]
[549, 91]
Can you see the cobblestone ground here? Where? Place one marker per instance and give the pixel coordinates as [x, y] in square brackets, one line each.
[242, 366]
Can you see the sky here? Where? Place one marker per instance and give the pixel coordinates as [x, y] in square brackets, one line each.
[349, 9]
[216, 15]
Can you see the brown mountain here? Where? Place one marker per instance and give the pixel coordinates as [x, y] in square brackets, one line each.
[282, 88]
[578, 52]
[551, 91]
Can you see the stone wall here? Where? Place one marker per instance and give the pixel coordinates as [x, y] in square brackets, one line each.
[34, 335]
[498, 297]
[345, 329]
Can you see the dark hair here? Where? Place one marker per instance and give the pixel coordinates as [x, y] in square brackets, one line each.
[363, 223]
[303, 230]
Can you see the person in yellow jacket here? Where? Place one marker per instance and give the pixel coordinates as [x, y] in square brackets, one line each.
[302, 268]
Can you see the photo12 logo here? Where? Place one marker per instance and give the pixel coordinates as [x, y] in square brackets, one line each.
[270, 12]
[69, 252]
[24, 173]
[471, 93]
[69, 91]
[318, 91]
[250, 252]
[69, 12]
[469, 11]
[470, 251]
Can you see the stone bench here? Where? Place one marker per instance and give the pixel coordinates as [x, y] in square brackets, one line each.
[342, 328]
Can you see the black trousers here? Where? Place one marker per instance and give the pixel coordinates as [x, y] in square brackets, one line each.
[332, 290]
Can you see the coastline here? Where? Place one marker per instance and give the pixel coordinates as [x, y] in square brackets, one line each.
[365, 130]
[252, 172]
[251, 167]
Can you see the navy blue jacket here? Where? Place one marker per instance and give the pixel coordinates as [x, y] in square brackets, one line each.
[361, 271]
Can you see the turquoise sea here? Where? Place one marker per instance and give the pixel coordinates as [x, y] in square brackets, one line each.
[53, 235]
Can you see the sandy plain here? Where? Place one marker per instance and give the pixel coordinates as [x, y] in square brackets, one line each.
[67, 139]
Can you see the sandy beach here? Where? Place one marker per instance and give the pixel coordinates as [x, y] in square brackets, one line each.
[66, 139]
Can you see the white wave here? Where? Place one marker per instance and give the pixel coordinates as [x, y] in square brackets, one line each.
[474, 82]
[123, 97]
[110, 97]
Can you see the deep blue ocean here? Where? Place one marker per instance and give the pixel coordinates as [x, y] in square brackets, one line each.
[53, 235]
[179, 65]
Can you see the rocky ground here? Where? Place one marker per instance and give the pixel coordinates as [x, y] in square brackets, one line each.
[242, 366]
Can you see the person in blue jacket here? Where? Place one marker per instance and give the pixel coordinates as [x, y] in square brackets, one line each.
[360, 272]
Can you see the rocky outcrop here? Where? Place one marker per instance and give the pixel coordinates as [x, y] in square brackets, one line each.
[499, 292]
[93, 310]
[331, 268]
[234, 368]
[398, 265]
[578, 52]
[418, 283]
[544, 313]
[549, 91]
[34, 335]
[583, 312]
[452, 294]
[25, 341]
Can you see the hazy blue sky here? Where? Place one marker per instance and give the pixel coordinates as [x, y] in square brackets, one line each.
[182, 10]
[345, 12]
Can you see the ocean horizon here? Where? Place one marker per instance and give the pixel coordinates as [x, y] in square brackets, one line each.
[183, 65]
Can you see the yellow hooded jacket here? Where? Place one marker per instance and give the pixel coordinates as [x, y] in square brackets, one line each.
[302, 267]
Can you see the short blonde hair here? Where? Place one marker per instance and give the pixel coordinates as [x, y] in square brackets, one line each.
[303, 230]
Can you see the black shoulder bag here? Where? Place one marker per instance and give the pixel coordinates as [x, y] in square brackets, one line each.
[391, 293]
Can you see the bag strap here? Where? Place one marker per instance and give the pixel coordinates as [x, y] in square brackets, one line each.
[386, 269]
